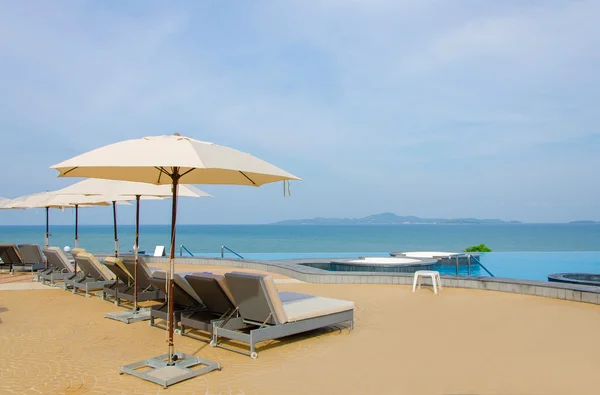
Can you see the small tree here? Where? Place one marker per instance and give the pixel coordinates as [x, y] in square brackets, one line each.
[479, 248]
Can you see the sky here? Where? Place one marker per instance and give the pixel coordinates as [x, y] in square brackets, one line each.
[431, 108]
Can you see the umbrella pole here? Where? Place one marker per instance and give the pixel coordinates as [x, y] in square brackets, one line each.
[47, 238]
[76, 226]
[171, 277]
[135, 251]
[114, 204]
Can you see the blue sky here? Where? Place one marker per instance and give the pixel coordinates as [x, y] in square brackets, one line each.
[420, 107]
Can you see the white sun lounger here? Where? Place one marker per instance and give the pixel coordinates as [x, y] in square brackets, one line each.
[266, 314]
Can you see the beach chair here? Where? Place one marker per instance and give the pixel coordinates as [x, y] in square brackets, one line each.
[124, 288]
[212, 289]
[32, 256]
[59, 267]
[265, 314]
[10, 256]
[185, 298]
[96, 275]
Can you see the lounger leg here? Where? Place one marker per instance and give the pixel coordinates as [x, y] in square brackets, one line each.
[253, 354]
[414, 282]
[439, 281]
[434, 285]
[419, 282]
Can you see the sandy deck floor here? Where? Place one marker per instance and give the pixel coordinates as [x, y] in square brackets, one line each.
[460, 342]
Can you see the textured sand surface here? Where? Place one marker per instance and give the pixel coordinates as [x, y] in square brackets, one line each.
[460, 342]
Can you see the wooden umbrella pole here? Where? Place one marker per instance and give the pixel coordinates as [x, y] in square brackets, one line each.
[171, 276]
[76, 226]
[135, 251]
[47, 241]
[114, 204]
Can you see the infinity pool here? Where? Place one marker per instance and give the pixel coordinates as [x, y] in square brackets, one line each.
[521, 265]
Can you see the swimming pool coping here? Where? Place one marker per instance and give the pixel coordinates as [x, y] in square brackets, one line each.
[293, 268]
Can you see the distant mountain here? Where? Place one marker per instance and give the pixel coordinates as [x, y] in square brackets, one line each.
[584, 222]
[389, 219]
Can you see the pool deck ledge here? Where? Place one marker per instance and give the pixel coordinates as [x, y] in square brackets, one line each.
[293, 269]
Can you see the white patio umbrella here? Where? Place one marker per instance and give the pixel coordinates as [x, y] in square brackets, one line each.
[133, 190]
[50, 200]
[172, 160]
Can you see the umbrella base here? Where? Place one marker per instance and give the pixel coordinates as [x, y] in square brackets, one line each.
[129, 316]
[186, 367]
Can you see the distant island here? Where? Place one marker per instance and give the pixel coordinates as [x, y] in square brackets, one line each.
[390, 219]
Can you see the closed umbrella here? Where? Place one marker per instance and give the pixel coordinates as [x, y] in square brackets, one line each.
[134, 190]
[172, 160]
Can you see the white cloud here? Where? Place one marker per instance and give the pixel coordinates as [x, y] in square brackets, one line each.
[359, 92]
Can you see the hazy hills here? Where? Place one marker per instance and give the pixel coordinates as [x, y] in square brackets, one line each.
[389, 219]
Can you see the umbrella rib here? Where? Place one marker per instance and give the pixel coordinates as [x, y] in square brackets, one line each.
[249, 179]
[162, 171]
[70, 170]
[193, 168]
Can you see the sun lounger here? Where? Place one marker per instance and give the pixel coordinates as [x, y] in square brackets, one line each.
[96, 274]
[59, 267]
[124, 288]
[216, 297]
[266, 314]
[10, 256]
[32, 256]
[185, 298]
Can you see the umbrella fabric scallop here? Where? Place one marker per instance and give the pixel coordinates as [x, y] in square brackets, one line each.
[172, 160]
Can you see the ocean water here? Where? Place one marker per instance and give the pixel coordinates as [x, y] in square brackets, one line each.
[525, 251]
[207, 239]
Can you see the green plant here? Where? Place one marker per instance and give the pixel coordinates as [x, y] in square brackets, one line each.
[479, 248]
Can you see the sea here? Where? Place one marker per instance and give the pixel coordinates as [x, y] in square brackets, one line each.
[203, 239]
[526, 251]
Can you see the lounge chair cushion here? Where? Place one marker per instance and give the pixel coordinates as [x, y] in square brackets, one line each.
[119, 263]
[273, 295]
[303, 306]
[103, 269]
[75, 251]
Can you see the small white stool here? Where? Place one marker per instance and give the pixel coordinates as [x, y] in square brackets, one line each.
[435, 278]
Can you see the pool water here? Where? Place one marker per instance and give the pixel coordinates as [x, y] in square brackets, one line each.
[520, 265]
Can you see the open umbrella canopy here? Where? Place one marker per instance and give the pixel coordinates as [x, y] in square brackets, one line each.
[97, 186]
[172, 160]
[151, 159]
[51, 200]
[137, 190]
